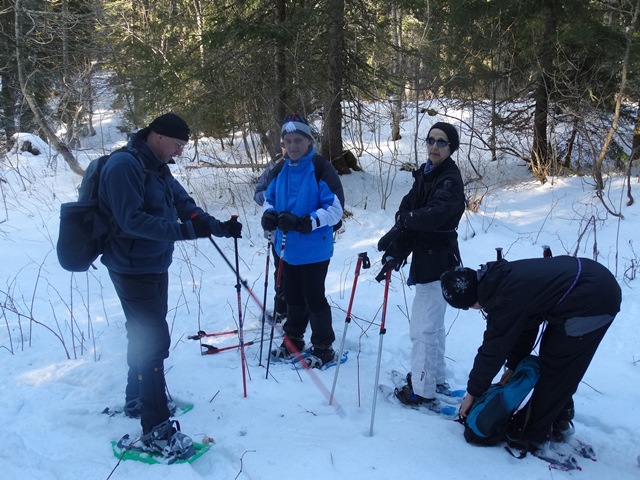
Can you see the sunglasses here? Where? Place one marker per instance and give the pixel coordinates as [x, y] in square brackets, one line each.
[440, 143]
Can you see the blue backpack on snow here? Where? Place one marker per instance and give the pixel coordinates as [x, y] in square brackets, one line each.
[487, 420]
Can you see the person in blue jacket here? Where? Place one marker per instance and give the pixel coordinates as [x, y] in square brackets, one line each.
[303, 209]
[149, 210]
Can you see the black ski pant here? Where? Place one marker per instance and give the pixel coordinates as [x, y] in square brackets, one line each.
[144, 302]
[563, 362]
[306, 303]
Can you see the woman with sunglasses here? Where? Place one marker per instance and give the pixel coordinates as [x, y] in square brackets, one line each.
[426, 225]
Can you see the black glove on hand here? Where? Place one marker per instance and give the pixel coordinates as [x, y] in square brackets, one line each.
[287, 221]
[391, 262]
[403, 219]
[388, 238]
[304, 224]
[201, 226]
[269, 220]
[232, 228]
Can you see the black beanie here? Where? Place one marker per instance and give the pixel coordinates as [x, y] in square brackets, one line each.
[170, 125]
[459, 287]
[451, 132]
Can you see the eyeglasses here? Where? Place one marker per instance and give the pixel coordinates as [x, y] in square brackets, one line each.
[179, 145]
[440, 143]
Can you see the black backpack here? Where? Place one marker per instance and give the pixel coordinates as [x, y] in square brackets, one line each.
[320, 164]
[84, 228]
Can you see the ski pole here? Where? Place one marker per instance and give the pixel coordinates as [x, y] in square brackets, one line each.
[210, 349]
[363, 260]
[203, 334]
[278, 299]
[236, 272]
[240, 319]
[387, 280]
[264, 298]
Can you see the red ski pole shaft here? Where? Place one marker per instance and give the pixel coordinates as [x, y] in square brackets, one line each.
[363, 260]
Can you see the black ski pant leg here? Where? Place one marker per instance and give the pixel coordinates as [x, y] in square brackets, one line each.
[563, 362]
[144, 302]
[305, 285]
[297, 315]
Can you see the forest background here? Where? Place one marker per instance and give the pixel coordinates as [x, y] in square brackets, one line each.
[570, 67]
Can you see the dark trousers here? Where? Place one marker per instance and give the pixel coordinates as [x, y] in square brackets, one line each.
[563, 362]
[306, 302]
[144, 302]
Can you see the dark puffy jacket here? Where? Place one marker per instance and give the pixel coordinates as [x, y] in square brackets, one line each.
[144, 202]
[437, 202]
[574, 295]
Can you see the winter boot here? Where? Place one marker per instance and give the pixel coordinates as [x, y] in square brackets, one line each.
[562, 427]
[443, 389]
[284, 353]
[407, 396]
[168, 440]
[133, 408]
[320, 356]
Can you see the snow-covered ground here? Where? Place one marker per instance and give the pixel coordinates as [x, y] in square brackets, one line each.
[50, 404]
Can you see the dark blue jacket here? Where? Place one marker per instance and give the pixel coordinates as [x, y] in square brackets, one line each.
[144, 203]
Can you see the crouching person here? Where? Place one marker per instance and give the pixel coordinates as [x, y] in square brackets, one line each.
[575, 299]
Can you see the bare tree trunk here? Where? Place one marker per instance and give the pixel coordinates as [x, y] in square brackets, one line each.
[597, 174]
[396, 100]
[33, 106]
[332, 131]
[540, 152]
[280, 108]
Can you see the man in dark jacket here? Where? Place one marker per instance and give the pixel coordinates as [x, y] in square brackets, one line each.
[576, 298]
[426, 225]
[149, 211]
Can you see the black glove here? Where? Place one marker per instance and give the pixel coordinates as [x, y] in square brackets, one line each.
[287, 222]
[201, 226]
[304, 224]
[269, 220]
[232, 228]
[388, 238]
[403, 219]
[391, 262]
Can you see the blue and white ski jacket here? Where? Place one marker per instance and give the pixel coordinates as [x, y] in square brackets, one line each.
[296, 190]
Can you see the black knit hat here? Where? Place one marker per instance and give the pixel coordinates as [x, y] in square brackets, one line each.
[459, 287]
[170, 125]
[451, 132]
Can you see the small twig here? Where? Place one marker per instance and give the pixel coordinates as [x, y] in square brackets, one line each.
[241, 459]
[213, 398]
[308, 411]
